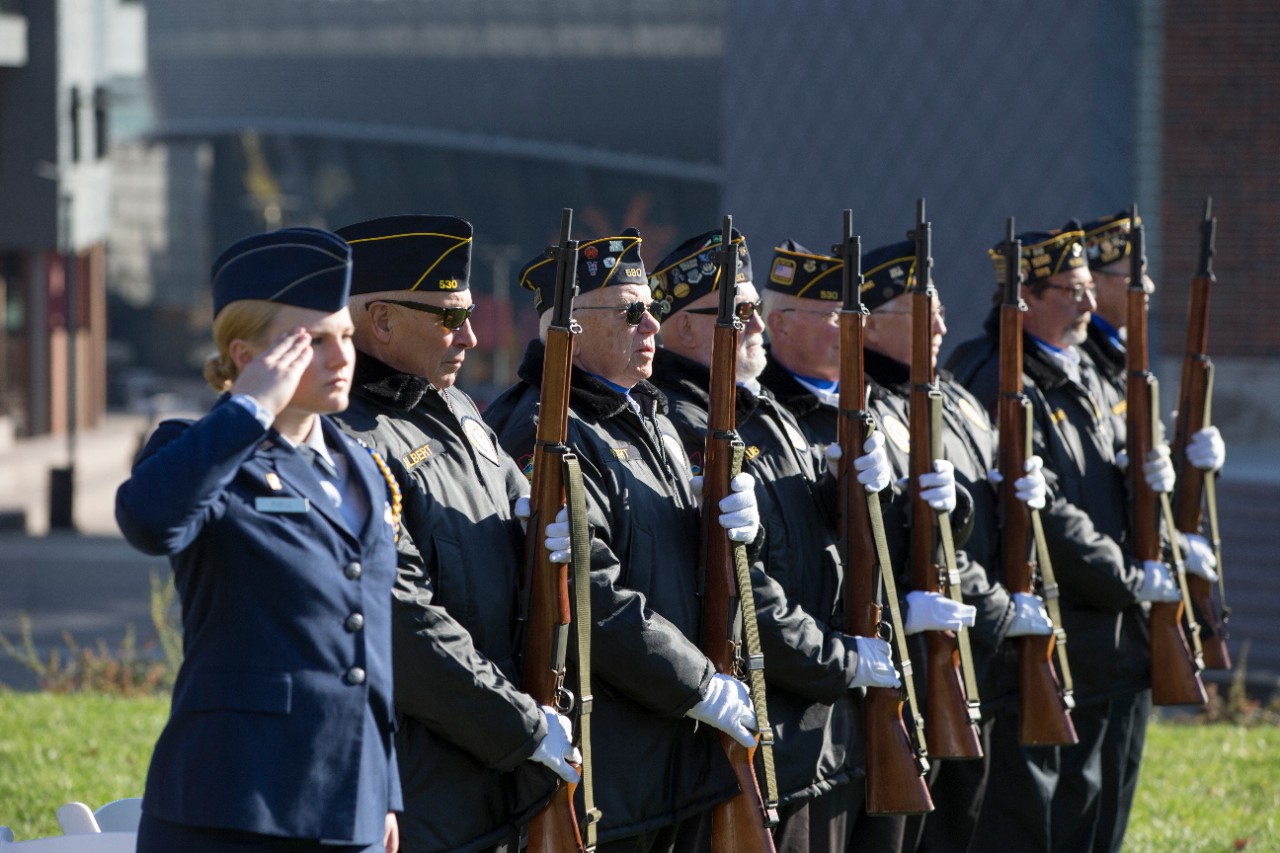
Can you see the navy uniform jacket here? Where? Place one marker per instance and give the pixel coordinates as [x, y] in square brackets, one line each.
[281, 721]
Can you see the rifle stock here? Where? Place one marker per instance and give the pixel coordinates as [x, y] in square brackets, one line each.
[740, 824]
[895, 770]
[950, 727]
[1175, 679]
[1194, 401]
[1045, 718]
[554, 829]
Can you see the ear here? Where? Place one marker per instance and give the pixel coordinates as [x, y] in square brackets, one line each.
[380, 321]
[242, 352]
[683, 330]
[779, 326]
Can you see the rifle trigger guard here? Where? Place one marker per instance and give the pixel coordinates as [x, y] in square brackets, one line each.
[562, 700]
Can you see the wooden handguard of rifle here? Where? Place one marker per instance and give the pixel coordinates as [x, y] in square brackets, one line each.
[1194, 399]
[741, 823]
[553, 829]
[1044, 719]
[1174, 676]
[950, 731]
[895, 777]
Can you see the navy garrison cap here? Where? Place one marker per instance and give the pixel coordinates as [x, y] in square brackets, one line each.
[602, 262]
[306, 267]
[888, 272]
[1044, 253]
[410, 252]
[1106, 240]
[798, 272]
[691, 270]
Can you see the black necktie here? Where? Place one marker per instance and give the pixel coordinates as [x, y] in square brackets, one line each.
[324, 466]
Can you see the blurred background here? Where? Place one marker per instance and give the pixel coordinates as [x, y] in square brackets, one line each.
[139, 137]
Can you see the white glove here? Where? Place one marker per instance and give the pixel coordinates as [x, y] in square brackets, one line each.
[1201, 561]
[1158, 583]
[557, 539]
[1206, 450]
[938, 489]
[556, 748]
[933, 611]
[522, 510]
[738, 511]
[1032, 489]
[875, 664]
[1158, 470]
[873, 467]
[695, 486]
[727, 707]
[1029, 617]
[1122, 460]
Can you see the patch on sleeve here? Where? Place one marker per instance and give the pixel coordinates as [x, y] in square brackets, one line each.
[897, 432]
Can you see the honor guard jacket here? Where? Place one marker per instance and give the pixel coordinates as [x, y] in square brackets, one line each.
[465, 727]
[653, 766]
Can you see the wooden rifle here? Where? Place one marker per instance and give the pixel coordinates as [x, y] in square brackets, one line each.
[742, 823]
[1044, 710]
[951, 705]
[554, 829]
[1175, 677]
[1195, 490]
[895, 765]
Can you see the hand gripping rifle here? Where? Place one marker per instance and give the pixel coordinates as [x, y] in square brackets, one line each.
[556, 476]
[895, 764]
[951, 706]
[742, 823]
[1175, 676]
[1194, 403]
[1044, 707]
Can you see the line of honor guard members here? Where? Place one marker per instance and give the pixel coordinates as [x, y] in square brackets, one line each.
[476, 755]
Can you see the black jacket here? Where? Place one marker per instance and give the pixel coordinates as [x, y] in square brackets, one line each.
[816, 717]
[970, 443]
[653, 766]
[1086, 525]
[465, 727]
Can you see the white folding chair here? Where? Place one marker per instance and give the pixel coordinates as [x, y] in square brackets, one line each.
[122, 815]
[93, 842]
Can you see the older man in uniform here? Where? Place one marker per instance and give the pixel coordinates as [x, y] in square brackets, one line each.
[812, 670]
[1103, 587]
[652, 684]
[475, 751]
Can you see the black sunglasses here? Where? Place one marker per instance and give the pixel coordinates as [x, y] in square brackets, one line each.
[743, 310]
[453, 318]
[635, 311]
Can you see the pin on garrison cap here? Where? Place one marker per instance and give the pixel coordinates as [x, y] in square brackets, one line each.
[1106, 240]
[603, 262]
[797, 271]
[692, 270]
[1044, 253]
[304, 267]
[888, 272]
[410, 252]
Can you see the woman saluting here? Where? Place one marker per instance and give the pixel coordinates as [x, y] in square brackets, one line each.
[280, 532]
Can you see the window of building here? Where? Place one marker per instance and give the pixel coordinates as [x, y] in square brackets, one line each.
[74, 124]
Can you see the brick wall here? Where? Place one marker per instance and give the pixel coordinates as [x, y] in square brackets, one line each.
[1222, 138]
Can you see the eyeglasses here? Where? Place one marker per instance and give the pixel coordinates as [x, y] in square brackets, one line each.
[743, 310]
[453, 318]
[939, 311]
[634, 311]
[1077, 290]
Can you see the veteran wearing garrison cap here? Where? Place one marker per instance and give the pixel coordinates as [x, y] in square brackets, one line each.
[477, 754]
[280, 531]
[1078, 797]
[657, 770]
[812, 669]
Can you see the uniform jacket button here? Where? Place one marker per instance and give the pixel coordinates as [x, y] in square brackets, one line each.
[355, 675]
[352, 570]
[354, 622]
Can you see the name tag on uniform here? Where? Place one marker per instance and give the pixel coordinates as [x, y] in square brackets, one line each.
[281, 504]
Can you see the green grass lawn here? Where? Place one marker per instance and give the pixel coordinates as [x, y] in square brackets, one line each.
[1204, 789]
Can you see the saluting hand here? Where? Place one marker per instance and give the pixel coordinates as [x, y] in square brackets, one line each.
[273, 375]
